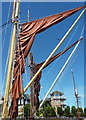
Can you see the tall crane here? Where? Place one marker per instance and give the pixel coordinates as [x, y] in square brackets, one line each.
[76, 94]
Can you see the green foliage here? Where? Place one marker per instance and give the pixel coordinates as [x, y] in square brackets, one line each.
[67, 111]
[49, 112]
[71, 115]
[27, 110]
[46, 111]
[40, 113]
[46, 104]
[73, 110]
[60, 111]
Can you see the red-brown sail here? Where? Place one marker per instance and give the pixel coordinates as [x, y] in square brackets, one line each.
[26, 38]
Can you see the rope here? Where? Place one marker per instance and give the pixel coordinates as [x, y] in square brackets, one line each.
[55, 49]
[57, 59]
[8, 22]
[60, 78]
[61, 56]
[60, 72]
[4, 29]
[7, 61]
[70, 64]
[6, 26]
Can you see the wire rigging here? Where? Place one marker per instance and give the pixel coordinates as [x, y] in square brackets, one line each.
[61, 56]
[57, 76]
[57, 59]
[4, 41]
[8, 22]
[4, 79]
[6, 26]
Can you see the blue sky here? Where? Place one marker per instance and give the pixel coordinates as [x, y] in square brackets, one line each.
[45, 42]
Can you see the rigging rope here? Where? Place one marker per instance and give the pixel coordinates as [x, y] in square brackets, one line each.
[4, 79]
[45, 75]
[8, 22]
[60, 72]
[58, 58]
[6, 31]
[71, 63]
[6, 26]
[61, 56]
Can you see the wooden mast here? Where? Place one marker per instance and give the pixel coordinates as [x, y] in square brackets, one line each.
[32, 67]
[10, 62]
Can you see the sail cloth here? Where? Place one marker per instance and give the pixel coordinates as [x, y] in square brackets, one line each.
[25, 41]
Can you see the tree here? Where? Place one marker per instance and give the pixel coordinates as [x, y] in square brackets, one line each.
[60, 111]
[40, 112]
[27, 110]
[46, 112]
[73, 110]
[49, 112]
[71, 115]
[46, 104]
[67, 111]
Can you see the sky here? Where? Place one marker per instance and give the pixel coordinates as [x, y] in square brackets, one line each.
[43, 45]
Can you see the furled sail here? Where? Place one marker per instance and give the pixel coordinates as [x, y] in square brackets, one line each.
[26, 38]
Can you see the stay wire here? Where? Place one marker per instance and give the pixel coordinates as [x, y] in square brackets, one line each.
[3, 29]
[38, 108]
[4, 79]
[61, 56]
[4, 40]
[57, 59]
[8, 22]
[70, 64]
[6, 26]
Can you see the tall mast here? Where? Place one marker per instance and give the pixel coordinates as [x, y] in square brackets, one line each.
[10, 62]
[32, 68]
[76, 95]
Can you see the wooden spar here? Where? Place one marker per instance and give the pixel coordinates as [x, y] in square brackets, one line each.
[59, 74]
[13, 12]
[31, 65]
[10, 63]
[62, 40]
